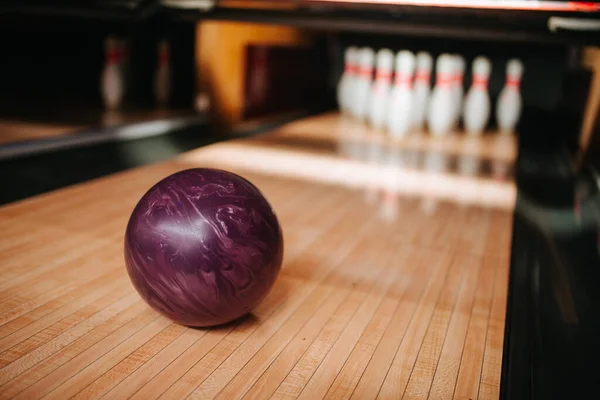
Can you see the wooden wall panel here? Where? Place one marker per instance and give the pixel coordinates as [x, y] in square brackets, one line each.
[220, 52]
[591, 60]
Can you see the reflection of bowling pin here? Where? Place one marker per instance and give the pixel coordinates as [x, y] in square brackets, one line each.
[457, 84]
[440, 113]
[502, 152]
[399, 113]
[435, 164]
[390, 200]
[476, 111]
[362, 85]
[112, 77]
[347, 80]
[162, 80]
[508, 107]
[374, 155]
[424, 63]
[468, 167]
[381, 88]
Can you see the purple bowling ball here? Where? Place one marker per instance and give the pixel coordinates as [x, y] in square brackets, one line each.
[203, 247]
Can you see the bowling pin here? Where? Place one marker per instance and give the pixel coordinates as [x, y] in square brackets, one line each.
[380, 92]
[508, 107]
[162, 79]
[362, 85]
[476, 111]
[422, 88]
[346, 81]
[112, 77]
[440, 113]
[457, 84]
[399, 113]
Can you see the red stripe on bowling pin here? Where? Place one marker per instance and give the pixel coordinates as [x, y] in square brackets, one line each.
[404, 80]
[365, 72]
[513, 82]
[423, 76]
[480, 81]
[443, 80]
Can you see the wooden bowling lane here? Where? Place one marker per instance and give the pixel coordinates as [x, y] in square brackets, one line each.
[377, 299]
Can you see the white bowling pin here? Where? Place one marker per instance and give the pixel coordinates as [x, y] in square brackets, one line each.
[440, 113]
[162, 79]
[112, 77]
[380, 91]
[399, 114]
[476, 111]
[508, 107]
[422, 88]
[362, 85]
[345, 84]
[457, 83]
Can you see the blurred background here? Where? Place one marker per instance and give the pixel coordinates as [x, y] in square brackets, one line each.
[89, 88]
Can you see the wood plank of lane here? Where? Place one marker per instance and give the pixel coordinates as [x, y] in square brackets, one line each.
[63, 340]
[446, 371]
[186, 362]
[18, 232]
[500, 234]
[50, 319]
[232, 381]
[132, 362]
[472, 240]
[87, 365]
[469, 373]
[420, 286]
[489, 386]
[76, 382]
[310, 306]
[44, 376]
[357, 296]
[438, 332]
[206, 341]
[298, 384]
[64, 273]
[22, 264]
[349, 375]
[277, 371]
[189, 345]
[207, 365]
[427, 234]
[46, 303]
[406, 356]
[44, 335]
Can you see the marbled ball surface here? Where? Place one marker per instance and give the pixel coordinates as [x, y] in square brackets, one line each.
[203, 247]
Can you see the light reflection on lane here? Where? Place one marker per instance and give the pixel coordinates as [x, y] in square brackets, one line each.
[462, 170]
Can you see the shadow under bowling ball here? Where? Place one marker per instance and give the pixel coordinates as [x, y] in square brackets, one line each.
[247, 320]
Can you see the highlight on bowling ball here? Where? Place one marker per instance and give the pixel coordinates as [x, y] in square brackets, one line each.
[203, 247]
